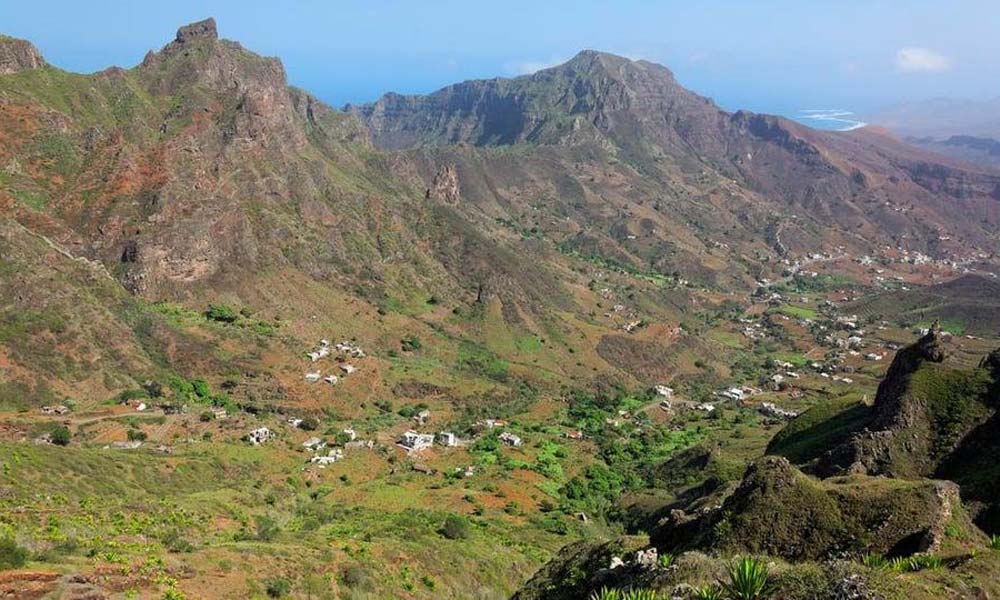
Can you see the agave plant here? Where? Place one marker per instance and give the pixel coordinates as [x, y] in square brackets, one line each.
[707, 592]
[995, 542]
[640, 594]
[898, 564]
[606, 594]
[665, 560]
[875, 561]
[923, 561]
[748, 579]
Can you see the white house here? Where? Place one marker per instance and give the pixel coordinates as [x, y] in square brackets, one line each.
[260, 436]
[347, 368]
[314, 443]
[510, 439]
[413, 441]
[313, 376]
[447, 438]
[333, 456]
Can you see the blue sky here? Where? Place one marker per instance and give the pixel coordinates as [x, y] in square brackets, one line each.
[775, 56]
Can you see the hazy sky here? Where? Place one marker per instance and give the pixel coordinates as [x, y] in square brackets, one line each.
[767, 55]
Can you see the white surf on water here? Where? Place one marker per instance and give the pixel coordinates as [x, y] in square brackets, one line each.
[830, 118]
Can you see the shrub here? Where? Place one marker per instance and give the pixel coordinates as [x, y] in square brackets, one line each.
[221, 313]
[748, 579]
[61, 436]
[134, 435]
[12, 556]
[410, 343]
[995, 542]
[267, 528]
[201, 388]
[455, 528]
[206, 416]
[173, 541]
[278, 588]
[354, 577]
[309, 424]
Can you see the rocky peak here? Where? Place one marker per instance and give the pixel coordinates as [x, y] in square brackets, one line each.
[197, 30]
[18, 55]
[930, 348]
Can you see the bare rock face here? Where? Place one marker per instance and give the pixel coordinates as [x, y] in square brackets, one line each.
[18, 55]
[201, 29]
[444, 187]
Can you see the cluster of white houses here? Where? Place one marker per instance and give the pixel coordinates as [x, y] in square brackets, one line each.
[342, 351]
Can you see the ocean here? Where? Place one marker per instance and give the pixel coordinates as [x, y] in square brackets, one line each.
[829, 119]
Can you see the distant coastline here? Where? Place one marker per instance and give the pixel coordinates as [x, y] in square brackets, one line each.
[829, 119]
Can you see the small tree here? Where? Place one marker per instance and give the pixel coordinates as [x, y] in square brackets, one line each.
[455, 527]
[278, 588]
[267, 528]
[12, 556]
[61, 436]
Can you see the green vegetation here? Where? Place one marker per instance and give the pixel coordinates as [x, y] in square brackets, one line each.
[874, 561]
[221, 313]
[455, 527]
[747, 579]
[12, 556]
[800, 312]
[61, 435]
[478, 360]
[707, 592]
[410, 343]
[629, 594]
[628, 449]
[820, 428]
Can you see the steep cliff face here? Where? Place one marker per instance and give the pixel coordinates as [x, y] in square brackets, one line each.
[18, 55]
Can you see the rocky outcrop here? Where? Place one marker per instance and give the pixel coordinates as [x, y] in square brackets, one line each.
[779, 511]
[199, 29]
[18, 55]
[923, 410]
[444, 187]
